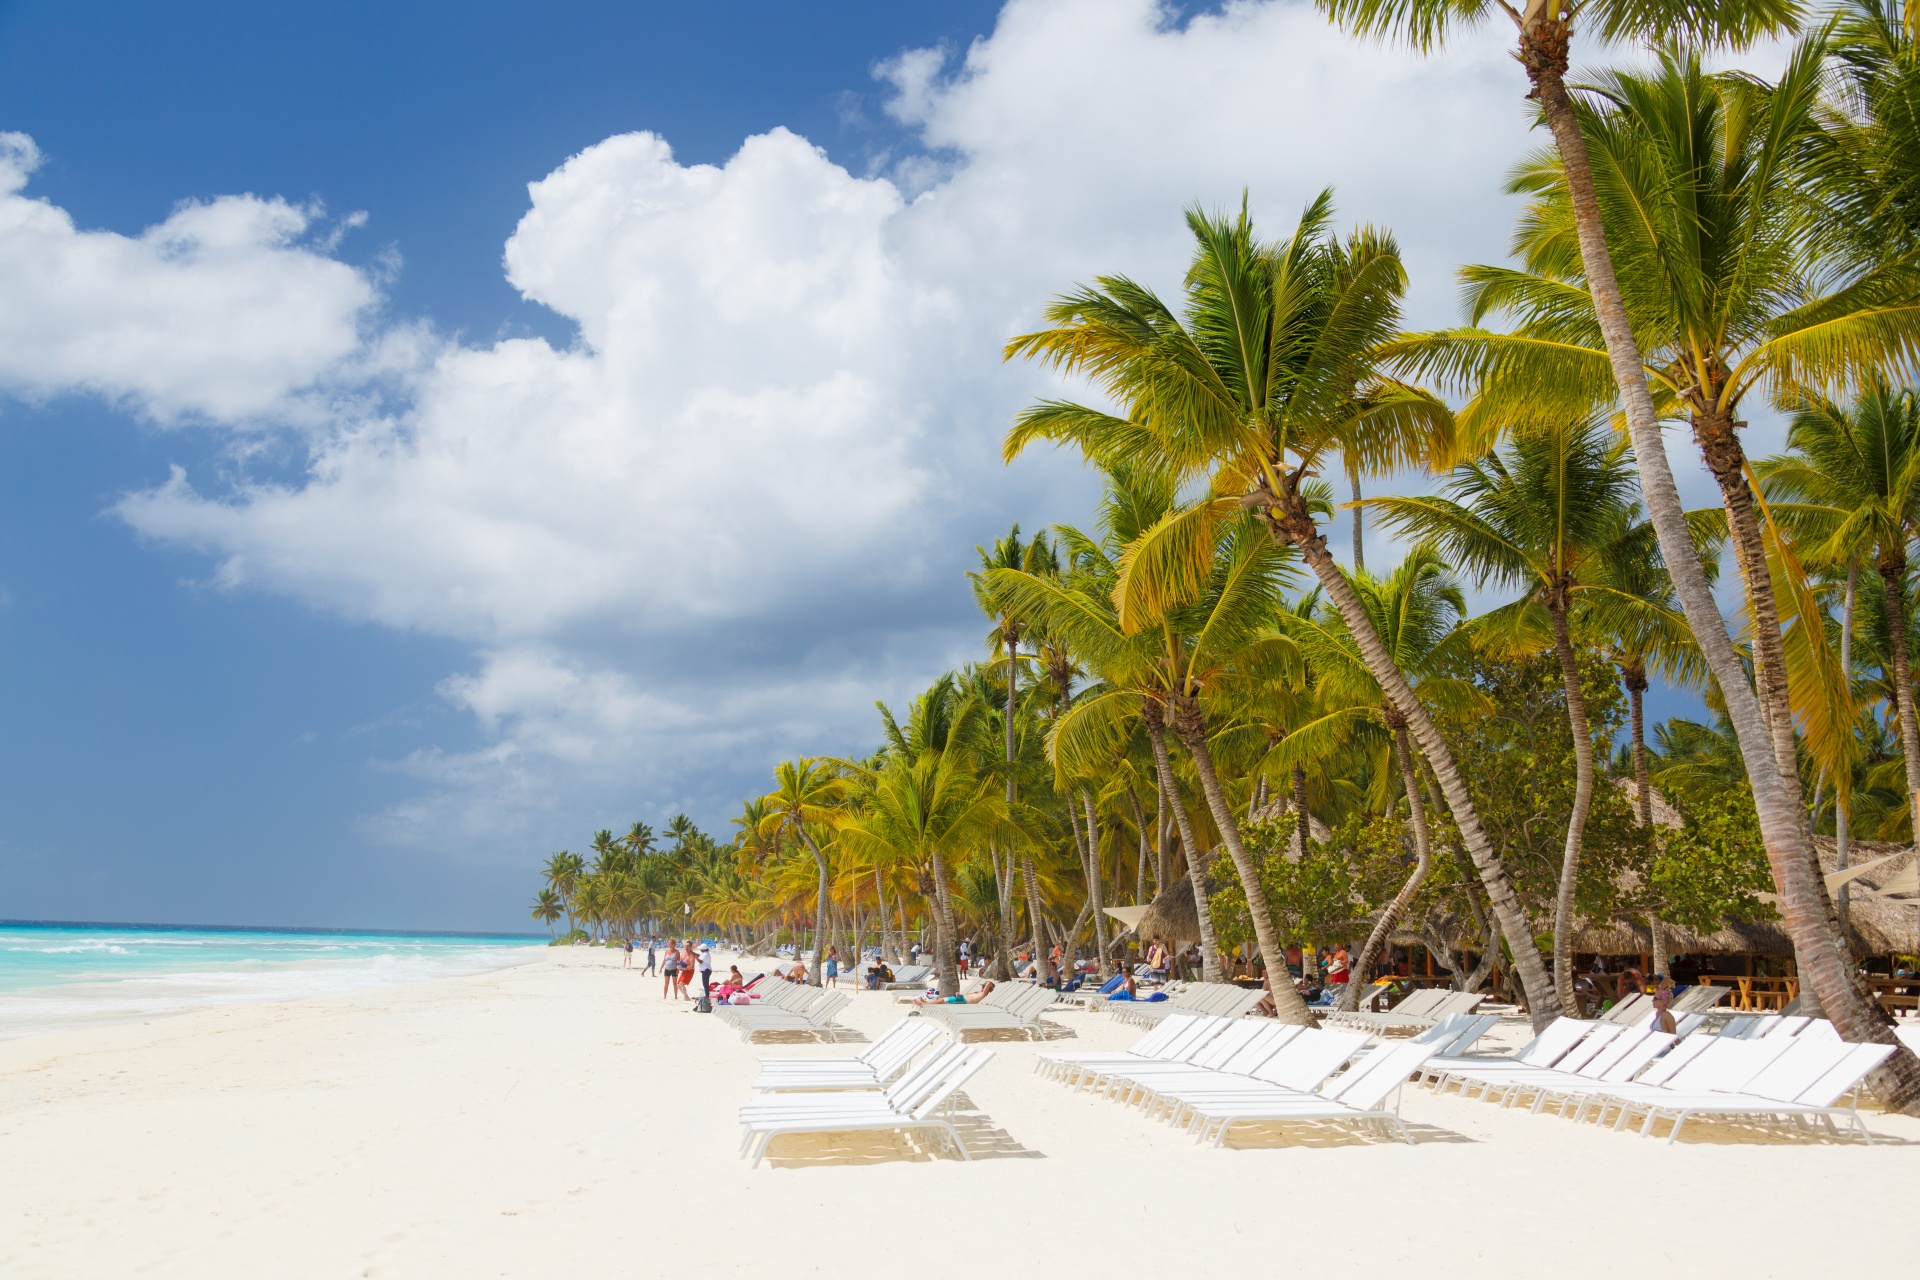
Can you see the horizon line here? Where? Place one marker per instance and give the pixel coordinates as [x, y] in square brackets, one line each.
[261, 928]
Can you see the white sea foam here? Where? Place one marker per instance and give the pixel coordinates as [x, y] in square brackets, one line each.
[60, 978]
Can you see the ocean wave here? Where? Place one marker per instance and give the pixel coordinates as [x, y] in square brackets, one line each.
[83, 981]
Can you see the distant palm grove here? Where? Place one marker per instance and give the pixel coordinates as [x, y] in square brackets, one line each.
[1188, 702]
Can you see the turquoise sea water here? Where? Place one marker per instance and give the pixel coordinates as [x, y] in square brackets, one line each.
[65, 975]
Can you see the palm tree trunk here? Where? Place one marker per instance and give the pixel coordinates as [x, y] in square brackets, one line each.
[1288, 1006]
[944, 965]
[1140, 870]
[1422, 864]
[1634, 674]
[1803, 901]
[1196, 874]
[1893, 573]
[1302, 828]
[1843, 778]
[1003, 885]
[1563, 919]
[1359, 542]
[814, 967]
[1542, 1004]
[1096, 891]
[1003, 957]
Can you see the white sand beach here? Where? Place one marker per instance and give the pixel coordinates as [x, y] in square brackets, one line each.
[559, 1117]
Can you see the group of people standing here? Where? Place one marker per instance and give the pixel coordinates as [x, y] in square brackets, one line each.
[678, 962]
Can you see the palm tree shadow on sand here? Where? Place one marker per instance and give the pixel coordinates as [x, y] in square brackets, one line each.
[984, 1141]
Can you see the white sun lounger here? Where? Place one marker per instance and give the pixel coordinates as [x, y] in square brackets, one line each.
[1217, 998]
[1804, 1082]
[1068, 1066]
[1357, 1097]
[873, 1068]
[814, 1017]
[1544, 1050]
[1238, 1041]
[912, 1103]
[1302, 1064]
[1019, 1010]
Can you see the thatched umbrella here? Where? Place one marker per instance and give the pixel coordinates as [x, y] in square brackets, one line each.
[1171, 915]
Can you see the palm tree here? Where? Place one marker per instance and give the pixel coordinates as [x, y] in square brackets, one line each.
[1270, 374]
[547, 909]
[1035, 556]
[1545, 37]
[928, 803]
[1549, 515]
[1851, 479]
[1868, 159]
[806, 797]
[1169, 656]
[563, 872]
[1080, 611]
[1738, 285]
[1416, 610]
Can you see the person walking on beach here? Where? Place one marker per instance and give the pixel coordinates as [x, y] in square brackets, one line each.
[832, 967]
[651, 967]
[670, 971]
[705, 962]
[626, 953]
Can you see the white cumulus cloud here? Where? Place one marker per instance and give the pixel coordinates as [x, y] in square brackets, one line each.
[219, 312]
[738, 507]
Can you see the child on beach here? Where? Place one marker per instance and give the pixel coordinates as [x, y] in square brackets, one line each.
[833, 967]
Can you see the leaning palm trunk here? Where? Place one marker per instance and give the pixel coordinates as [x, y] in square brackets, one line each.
[943, 934]
[1582, 803]
[1803, 901]
[1296, 524]
[1422, 863]
[1035, 918]
[1196, 874]
[1096, 891]
[1288, 1006]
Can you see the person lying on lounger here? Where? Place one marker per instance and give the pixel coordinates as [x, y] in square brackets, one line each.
[980, 993]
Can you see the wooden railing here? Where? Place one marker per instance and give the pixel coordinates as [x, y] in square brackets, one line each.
[1754, 995]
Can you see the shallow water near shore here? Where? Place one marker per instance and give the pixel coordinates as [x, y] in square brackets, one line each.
[57, 976]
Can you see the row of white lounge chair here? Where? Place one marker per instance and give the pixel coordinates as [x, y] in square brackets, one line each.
[1211, 1073]
[779, 1005]
[903, 1082]
[1417, 1012]
[1798, 1072]
[1218, 999]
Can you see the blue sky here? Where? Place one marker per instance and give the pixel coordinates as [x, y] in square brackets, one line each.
[373, 525]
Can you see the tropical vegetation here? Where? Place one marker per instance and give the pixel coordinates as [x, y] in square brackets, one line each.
[1188, 699]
